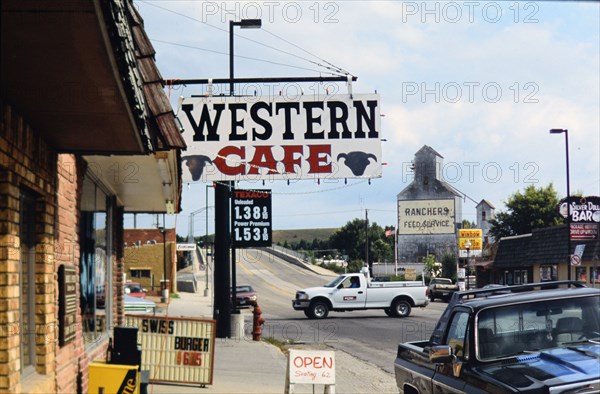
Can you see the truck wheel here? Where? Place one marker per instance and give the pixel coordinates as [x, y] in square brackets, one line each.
[431, 298]
[401, 308]
[318, 310]
[388, 312]
[307, 313]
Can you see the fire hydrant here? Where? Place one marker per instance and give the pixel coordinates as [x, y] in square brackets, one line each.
[257, 322]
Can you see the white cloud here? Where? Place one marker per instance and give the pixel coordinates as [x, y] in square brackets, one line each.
[555, 61]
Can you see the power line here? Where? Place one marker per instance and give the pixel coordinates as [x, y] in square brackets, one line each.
[332, 68]
[338, 69]
[319, 213]
[240, 56]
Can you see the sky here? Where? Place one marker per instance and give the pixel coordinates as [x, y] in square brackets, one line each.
[480, 82]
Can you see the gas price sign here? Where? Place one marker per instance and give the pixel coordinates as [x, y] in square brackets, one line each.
[251, 224]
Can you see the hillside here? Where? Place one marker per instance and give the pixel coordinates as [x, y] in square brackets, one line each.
[280, 236]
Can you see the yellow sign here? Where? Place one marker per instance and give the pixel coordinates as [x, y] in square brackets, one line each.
[475, 243]
[113, 378]
[470, 233]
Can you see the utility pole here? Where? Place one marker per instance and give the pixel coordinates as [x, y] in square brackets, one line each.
[367, 243]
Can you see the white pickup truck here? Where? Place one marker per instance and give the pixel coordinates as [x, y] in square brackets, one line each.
[349, 292]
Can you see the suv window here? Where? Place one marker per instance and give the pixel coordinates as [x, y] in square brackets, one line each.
[458, 333]
[513, 329]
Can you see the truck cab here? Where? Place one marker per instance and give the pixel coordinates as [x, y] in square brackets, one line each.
[351, 290]
[534, 338]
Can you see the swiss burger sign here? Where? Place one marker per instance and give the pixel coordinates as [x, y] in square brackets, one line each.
[254, 138]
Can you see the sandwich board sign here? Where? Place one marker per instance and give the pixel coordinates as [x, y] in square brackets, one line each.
[310, 367]
[174, 349]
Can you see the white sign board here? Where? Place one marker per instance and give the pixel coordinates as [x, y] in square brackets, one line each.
[311, 367]
[472, 253]
[426, 217]
[177, 350]
[190, 247]
[268, 138]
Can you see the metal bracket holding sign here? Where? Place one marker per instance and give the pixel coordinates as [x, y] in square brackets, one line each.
[251, 224]
[310, 367]
[176, 350]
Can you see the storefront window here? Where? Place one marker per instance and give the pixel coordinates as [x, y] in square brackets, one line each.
[581, 274]
[594, 275]
[548, 273]
[95, 300]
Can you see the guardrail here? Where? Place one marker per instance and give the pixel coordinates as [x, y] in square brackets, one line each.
[291, 256]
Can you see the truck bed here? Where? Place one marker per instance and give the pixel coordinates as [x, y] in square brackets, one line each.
[395, 284]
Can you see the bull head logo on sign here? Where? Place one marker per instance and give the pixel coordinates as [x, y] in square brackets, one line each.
[357, 161]
[196, 164]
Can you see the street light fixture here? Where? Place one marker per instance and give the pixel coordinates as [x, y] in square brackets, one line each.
[468, 247]
[243, 24]
[566, 132]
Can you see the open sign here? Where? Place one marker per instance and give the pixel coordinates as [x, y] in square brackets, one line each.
[311, 367]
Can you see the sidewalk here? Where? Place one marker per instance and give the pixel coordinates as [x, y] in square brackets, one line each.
[245, 366]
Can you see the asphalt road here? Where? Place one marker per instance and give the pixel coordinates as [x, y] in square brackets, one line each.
[368, 335]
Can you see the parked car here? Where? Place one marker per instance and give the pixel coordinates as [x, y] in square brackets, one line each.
[135, 290]
[441, 288]
[138, 305]
[532, 338]
[245, 296]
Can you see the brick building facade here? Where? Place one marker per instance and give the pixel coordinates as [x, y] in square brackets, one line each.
[77, 115]
[144, 255]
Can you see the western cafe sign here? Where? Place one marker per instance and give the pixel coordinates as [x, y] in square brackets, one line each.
[255, 138]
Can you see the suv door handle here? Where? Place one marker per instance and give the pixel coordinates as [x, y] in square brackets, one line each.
[360, 292]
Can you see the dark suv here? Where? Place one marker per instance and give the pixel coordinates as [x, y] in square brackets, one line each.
[536, 338]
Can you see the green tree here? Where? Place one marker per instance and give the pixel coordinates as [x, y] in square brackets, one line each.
[432, 267]
[355, 265]
[534, 208]
[350, 240]
[468, 224]
[381, 251]
[449, 266]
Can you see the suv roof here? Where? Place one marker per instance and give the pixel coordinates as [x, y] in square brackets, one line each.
[531, 292]
[480, 298]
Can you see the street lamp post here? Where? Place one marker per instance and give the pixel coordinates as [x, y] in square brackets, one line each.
[243, 24]
[206, 245]
[221, 258]
[566, 132]
[165, 290]
[191, 237]
[468, 247]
